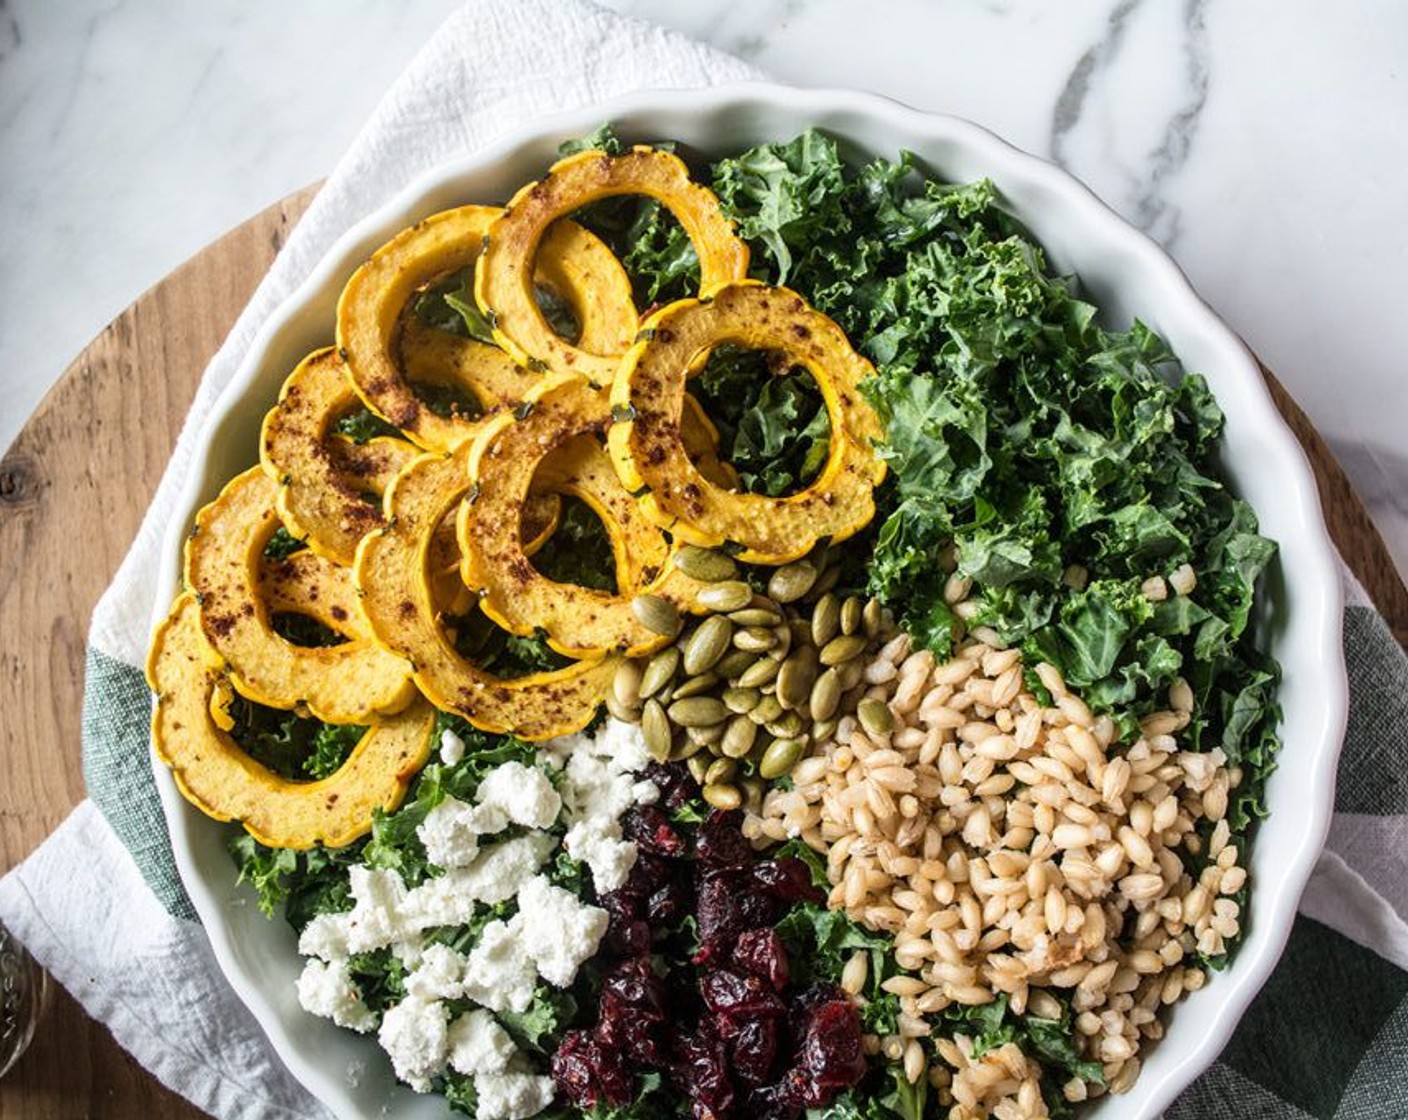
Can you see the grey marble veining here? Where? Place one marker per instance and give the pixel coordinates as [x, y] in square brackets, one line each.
[1263, 142]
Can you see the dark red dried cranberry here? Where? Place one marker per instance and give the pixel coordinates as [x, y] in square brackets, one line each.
[719, 841]
[789, 879]
[831, 1057]
[648, 874]
[586, 1072]
[779, 1101]
[739, 995]
[730, 903]
[670, 903]
[634, 987]
[652, 831]
[754, 1050]
[629, 938]
[677, 787]
[761, 952]
[701, 1067]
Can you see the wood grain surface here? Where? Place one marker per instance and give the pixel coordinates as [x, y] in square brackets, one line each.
[72, 492]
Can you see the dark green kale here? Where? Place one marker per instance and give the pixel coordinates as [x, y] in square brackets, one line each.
[363, 425]
[579, 551]
[282, 544]
[293, 746]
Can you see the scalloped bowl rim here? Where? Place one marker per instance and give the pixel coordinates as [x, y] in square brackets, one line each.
[1082, 235]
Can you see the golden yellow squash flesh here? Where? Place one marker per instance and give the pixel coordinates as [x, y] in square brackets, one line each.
[648, 403]
[221, 780]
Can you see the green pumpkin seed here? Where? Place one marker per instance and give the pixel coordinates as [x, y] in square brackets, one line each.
[768, 709]
[796, 677]
[731, 595]
[741, 700]
[875, 716]
[657, 614]
[828, 580]
[720, 770]
[724, 797]
[840, 650]
[686, 749]
[824, 730]
[707, 644]
[754, 639]
[738, 739]
[780, 757]
[753, 790]
[785, 726]
[706, 736]
[695, 685]
[826, 695]
[791, 581]
[655, 727]
[761, 672]
[698, 711]
[659, 671]
[851, 611]
[851, 673]
[755, 616]
[735, 663]
[783, 645]
[698, 766]
[625, 685]
[707, 565]
[872, 618]
[826, 619]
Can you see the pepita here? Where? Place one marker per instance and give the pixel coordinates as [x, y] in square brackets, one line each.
[693, 686]
[875, 716]
[851, 612]
[706, 736]
[655, 728]
[698, 711]
[826, 620]
[659, 671]
[657, 614]
[731, 595]
[708, 565]
[723, 797]
[762, 672]
[826, 695]
[796, 677]
[791, 581]
[698, 766]
[780, 757]
[755, 616]
[754, 639]
[707, 644]
[785, 726]
[768, 709]
[735, 663]
[739, 738]
[720, 770]
[872, 618]
[842, 649]
[625, 685]
[741, 700]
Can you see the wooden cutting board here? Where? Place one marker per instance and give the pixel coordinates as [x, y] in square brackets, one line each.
[72, 492]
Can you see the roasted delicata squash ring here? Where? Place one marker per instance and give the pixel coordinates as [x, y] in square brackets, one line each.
[551, 443]
[221, 780]
[394, 577]
[348, 683]
[648, 400]
[325, 479]
[386, 349]
[503, 282]
[304, 583]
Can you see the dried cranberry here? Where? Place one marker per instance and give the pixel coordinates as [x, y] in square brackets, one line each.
[701, 1065]
[730, 903]
[652, 831]
[761, 952]
[634, 987]
[720, 841]
[677, 787]
[831, 1057]
[670, 903]
[630, 938]
[585, 1071]
[754, 1049]
[739, 995]
[774, 1102]
[648, 874]
[789, 879]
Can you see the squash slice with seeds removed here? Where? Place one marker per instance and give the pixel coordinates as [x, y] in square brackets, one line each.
[387, 349]
[324, 479]
[347, 683]
[393, 573]
[552, 443]
[221, 780]
[648, 401]
[503, 282]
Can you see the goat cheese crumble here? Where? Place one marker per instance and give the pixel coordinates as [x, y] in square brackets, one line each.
[493, 851]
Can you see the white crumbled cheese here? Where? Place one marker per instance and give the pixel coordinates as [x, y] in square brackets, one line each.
[511, 1096]
[378, 918]
[439, 974]
[523, 793]
[327, 990]
[451, 748]
[450, 833]
[645, 793]
[499, 973]
[559, 930]
[326, 937]
[500, 871]
[479, 1045]
[415, 1034]
[597, 842]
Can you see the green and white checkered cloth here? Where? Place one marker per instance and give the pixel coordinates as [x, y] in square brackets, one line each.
[100, 903]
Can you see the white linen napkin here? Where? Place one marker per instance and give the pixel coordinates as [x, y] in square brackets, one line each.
[79, 903]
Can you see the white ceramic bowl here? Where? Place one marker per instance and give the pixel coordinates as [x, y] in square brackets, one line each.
[1124, 272]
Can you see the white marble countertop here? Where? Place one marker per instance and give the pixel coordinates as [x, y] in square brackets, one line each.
[1264, 142]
